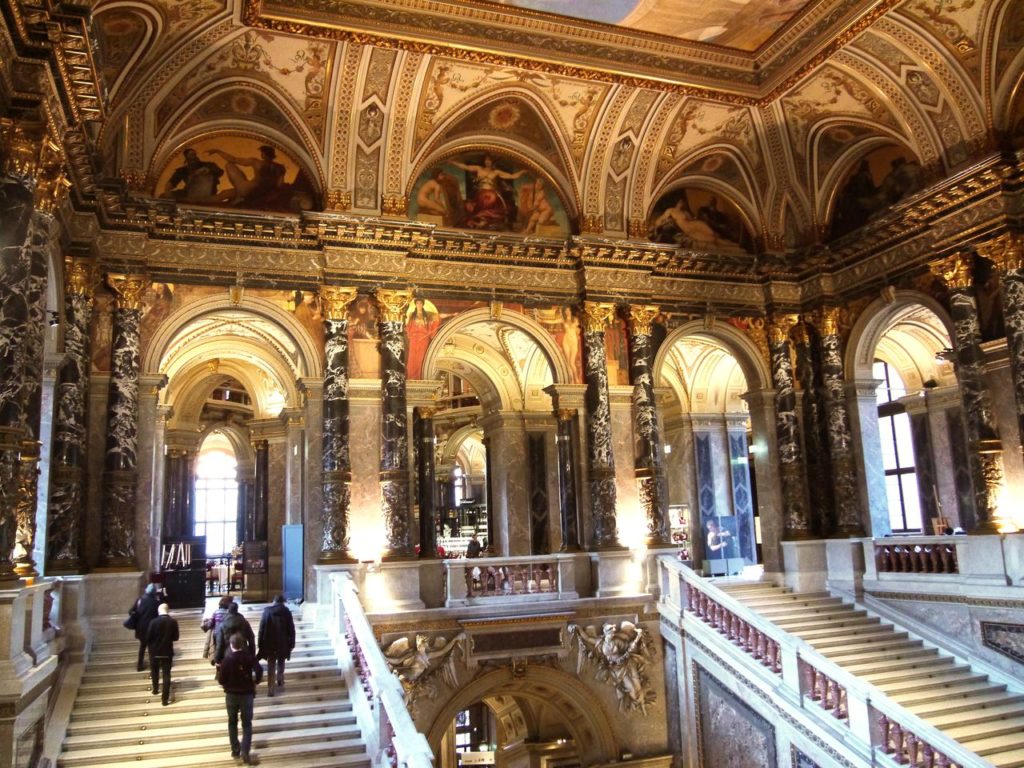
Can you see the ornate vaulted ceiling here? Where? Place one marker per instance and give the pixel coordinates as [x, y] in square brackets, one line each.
[767, 126]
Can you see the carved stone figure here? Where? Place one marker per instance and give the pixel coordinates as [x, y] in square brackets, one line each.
[620, 654]
[418, 664]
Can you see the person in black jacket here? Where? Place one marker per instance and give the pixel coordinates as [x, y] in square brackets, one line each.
[146, 608]
[160, 637]
[276, 641]
[234, 623]
[238, 674]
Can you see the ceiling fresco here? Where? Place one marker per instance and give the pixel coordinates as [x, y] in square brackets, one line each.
[743, 24]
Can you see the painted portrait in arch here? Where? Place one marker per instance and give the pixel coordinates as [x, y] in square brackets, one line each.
[488, 192]
[879, 180]
[698, 219]
[363, 355]
[564, 325]
[422, 321]
[237, 172]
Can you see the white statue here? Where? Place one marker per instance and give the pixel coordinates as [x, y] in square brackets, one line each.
[416, 664]
[620, 655]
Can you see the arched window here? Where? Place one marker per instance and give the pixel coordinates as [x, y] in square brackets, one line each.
[217, 496]
[897, 451]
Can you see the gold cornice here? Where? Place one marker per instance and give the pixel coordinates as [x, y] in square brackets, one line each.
[393, 304]
[955, 270]
[334, 301]
[640, 318]
[597, 315]
[779, 328]
[128, 290]
[1006, 251]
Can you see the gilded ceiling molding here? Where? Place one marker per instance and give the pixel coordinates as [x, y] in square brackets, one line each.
[954, 270]
[1005, 251]
[640, 192]
[339, 196]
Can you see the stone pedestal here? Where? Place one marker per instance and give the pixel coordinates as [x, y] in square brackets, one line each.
[392, 586]
[111, 593]
[845, 562]
[618, 573]
[806, 566]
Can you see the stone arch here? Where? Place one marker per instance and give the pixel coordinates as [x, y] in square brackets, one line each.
[238, 438]
[556, 359]
[585, 718]
[751, 361]
[872, 324]
[154, 29]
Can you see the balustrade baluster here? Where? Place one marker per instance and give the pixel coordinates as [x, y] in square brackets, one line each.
[897, 739]
[912, 743]
[885, 728]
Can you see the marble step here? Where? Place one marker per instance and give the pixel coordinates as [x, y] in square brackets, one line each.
[879, 648]
[748, 587]
[823, 644]
[1012, 709]
[989, 700]
[909, 661]
[1012, 758]
[288, 703]
[780, 599]
[958, 675]
[798, 609]
[1007, 742]
[320, 667]
[944, 667]
[960, 693]
[839, 628]
[994, 726]
[336, 740]
[810, 624]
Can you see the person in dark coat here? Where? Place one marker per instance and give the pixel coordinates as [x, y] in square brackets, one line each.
[146, 608]
[239, 674]
[473, 547]
[234, 623]
[160, 638]
[276, 641]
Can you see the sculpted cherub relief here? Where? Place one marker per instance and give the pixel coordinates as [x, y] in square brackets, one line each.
[620, 654]
[418, 664]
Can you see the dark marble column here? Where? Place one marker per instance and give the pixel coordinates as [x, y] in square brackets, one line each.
[596, 317]
[246, 501]
[120, 470]
[567, 503]
[1007, 251]
[259, 513]
[336, 459]
[67, 469]
[985, 451]
[394, 449]
[178, 493]
[648, 463]
[489, 492]
[837, 420]
[427, 483]
[791, 464]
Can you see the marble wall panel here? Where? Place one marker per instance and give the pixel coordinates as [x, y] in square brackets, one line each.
[96, 440]
[45, 438]
[731, 734]
[511, 492]
[277, 498]
[366, 526]
[999, 381]
[628, 513]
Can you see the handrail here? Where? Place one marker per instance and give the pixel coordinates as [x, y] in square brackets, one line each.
[400, 743]
[530, 577]
[878, 723]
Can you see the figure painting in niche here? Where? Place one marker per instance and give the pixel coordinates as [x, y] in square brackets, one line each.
[878, 181]
[363, 356]
[237, 172]
[306, 309]
[563, 324]
[421, 323]
[716, 224]
[488, 193]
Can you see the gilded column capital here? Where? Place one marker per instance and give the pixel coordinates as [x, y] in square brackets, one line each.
[597, 315]
[828, 321]
[1005, 251]
[640, 318]
[128, 290]
[79, 277]
[31, 154]
[955, 270]
[426, 412]
[567, 414]
[779, 328]
[393, 304]
[334, 301]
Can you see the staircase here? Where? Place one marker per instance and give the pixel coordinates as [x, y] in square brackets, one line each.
[971, 709]
[116, 722]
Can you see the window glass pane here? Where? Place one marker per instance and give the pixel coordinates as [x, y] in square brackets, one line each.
[892, 488]
[878, 372]
[911, 501]
[888, 442]
[904, 441]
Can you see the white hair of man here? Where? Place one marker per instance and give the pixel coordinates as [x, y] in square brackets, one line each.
[164, 609]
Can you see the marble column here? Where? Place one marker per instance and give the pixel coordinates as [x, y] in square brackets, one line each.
[177, 499]
[336, 459]
[837, 420]
[601, 459]
[984, 447]
[1007, 252]
[120, 470]
[259, 514]
[568, 507]
[427, 483]
[67, 491]
[245, 474]
[791, 465]
[394, 449]
[650, 473]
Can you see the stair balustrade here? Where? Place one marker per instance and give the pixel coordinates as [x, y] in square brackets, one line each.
[917, 554]
[384, 719]
[884, 731]
[529, 578]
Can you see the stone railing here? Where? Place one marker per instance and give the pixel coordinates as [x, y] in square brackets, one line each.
[917, 554]
[876, 728]
[378, 698]
[471, 581]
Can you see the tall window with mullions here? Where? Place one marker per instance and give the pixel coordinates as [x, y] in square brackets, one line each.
[897, 451]
[217, 500]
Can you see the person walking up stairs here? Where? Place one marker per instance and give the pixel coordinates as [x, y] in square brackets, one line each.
[116, 722]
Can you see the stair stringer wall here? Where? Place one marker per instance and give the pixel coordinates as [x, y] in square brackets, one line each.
[747, 692]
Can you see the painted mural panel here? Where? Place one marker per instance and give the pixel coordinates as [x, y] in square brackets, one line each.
[881, 179]
[743, 24]
[491, 193]
[422, 321]
[731, 734]
[697, 218]
[237, 172]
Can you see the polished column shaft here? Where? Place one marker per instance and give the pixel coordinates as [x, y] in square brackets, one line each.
[256, 527]
[567, 503]
[427, 483]
[791, 467]
[599, 425]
